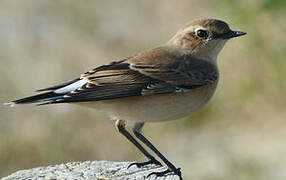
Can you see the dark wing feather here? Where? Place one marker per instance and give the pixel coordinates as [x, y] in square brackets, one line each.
[112, 81]
[58, 86]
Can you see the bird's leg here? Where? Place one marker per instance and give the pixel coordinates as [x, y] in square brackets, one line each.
[120, 125]
[171, 167]
[138, 127]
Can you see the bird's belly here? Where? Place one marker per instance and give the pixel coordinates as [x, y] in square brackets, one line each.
[162, 107]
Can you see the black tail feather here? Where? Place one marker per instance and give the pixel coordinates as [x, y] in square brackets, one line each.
[44, 97]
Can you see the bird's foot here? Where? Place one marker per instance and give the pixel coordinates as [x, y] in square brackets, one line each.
[163, 173]
[151, 161]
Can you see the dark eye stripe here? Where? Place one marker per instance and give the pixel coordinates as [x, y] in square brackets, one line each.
[219, 36]
[216, 36]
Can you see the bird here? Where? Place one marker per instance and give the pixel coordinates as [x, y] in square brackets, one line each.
[168, 82]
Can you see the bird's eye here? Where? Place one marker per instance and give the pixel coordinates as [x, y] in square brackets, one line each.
[202, 33]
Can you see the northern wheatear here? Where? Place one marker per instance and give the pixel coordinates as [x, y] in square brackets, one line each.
[169, 82]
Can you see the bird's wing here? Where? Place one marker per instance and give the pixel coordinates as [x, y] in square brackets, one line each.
[152, 72]
[116, 80]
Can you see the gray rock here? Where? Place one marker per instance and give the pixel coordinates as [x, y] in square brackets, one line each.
[99, 170]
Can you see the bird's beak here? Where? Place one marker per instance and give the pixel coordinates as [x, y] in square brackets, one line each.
[232, 34]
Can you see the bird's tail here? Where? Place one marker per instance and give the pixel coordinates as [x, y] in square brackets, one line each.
[54, 93]
[39, 98]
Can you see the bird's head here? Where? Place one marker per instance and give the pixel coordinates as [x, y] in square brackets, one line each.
[204, 37]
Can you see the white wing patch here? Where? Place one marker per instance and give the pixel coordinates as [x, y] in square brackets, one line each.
[71, 87]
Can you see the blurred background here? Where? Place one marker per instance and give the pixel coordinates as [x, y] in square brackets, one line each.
[241, 133]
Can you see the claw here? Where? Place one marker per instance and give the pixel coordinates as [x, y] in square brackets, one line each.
[163, 173]
[151, 161]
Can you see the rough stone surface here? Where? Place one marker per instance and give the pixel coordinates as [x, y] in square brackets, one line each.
[100, 170]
